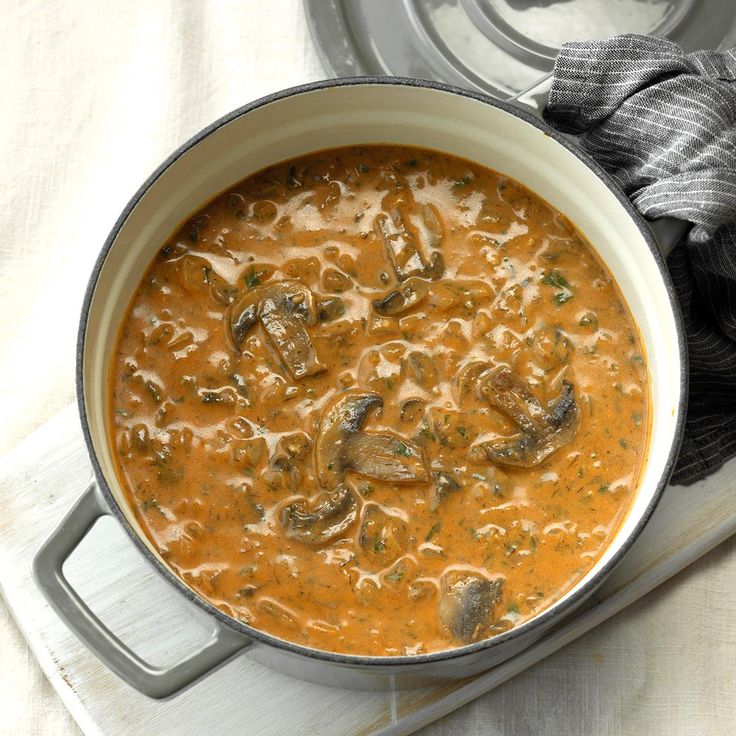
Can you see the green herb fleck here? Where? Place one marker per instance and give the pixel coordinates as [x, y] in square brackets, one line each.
[194, 231]
[396, 575]
[251, 278]
[435, 528]
[402, 449]
[555, 278]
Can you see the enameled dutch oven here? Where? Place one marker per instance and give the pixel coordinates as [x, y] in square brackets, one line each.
[502, 136]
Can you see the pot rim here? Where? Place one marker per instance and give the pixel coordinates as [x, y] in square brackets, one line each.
[545, 617]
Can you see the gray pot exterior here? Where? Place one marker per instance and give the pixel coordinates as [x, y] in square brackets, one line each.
[288, 124]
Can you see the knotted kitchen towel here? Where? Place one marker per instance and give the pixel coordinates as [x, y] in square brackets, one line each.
[663, 124]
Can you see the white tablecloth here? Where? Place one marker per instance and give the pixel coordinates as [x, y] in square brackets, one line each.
[95, 93]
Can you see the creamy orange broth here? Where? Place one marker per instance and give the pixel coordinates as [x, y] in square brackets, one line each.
[404, 529]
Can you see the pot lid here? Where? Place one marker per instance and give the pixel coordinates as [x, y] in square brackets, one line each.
[500, 47]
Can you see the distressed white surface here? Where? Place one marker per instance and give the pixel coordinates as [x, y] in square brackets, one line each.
[42, 477]
[95, 94]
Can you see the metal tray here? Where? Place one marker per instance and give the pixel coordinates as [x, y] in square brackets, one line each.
[495, 46]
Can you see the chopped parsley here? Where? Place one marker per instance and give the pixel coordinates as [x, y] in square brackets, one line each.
[433, 531]
[251, 278]
[555, 279]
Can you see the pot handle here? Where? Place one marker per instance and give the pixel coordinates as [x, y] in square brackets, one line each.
[667, 231]
[155, 682]
[534, 99]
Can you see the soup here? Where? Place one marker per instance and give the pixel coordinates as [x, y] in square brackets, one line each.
[379, 400]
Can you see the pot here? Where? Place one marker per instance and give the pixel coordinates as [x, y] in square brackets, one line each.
[285, 125]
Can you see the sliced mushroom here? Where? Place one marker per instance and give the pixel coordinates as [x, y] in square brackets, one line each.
[403, 251]
[433, 224]
[282, 473]
[402, 298]
[422, 369]
[411, 409]
[343, 417]
[340, 445]
[505, 391]
[466, 380]
[467, 602]
[385, 457]
[285, 308]
[329, 516]
[383, 536]
[563, 409]
[542, 430]
[444, 484]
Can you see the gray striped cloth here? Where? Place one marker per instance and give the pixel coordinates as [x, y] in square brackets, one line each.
[663, 124]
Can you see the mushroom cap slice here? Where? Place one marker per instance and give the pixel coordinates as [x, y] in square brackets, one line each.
[296, 298]
[467, 602]
[505, 391]
[445, 484]
[343, 417]
[563, 410]
[400, 246]
[405, 296]
[542, 430]
[321, 521]
[402, 249]
[242, 318]
[340, 445]
[285, 308]
[522, 451]
[411, 409]
[386, 457]
[422, 369]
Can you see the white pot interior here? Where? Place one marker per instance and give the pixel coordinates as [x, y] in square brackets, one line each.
[381, 113]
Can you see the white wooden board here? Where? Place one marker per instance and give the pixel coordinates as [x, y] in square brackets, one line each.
[42, 477]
